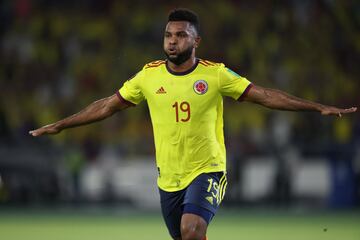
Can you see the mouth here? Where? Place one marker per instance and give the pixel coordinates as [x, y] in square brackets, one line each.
[172, 51]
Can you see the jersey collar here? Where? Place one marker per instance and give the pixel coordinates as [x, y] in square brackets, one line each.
[182, 73]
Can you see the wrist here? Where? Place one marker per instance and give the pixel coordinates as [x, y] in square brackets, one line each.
[320, 108]
[59, 125]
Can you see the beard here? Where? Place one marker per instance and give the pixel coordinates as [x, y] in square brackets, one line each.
[181, 57]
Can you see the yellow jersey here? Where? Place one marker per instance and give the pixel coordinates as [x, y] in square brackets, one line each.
[186, 111]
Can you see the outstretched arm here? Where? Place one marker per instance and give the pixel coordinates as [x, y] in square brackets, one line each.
[277, 99]
[96, 111]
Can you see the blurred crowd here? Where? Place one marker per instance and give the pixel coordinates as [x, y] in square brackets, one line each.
[56, 57]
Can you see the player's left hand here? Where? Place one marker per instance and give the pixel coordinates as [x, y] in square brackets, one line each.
[337, 111]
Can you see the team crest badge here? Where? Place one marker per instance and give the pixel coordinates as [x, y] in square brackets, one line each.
[200, 87]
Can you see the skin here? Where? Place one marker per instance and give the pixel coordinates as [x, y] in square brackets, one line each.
[178, 37]
[192, 227]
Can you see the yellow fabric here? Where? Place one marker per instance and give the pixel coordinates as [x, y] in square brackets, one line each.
[187, 123]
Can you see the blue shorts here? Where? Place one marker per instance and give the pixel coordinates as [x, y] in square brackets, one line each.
[202, 197]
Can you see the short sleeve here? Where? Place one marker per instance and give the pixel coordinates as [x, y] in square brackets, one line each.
[232, 84]
[131, 90]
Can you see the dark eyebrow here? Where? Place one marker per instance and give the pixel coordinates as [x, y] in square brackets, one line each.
[176, 32]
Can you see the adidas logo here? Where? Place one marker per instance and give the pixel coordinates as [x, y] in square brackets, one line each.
[210, 200]
[160, 91]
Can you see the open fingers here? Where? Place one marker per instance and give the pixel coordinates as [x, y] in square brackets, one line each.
[35, 133]
[349, 110]
[344, 111]
[338, 111]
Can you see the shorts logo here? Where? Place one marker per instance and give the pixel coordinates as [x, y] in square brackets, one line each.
[210, 200]
[200, 87]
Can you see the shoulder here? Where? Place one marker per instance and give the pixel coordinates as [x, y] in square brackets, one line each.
[151, 68]
[208, 63]
[154, 64]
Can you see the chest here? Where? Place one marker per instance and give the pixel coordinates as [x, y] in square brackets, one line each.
[194, 89]
[182, 99]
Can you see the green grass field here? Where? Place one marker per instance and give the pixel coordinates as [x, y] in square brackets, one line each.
[227, 225]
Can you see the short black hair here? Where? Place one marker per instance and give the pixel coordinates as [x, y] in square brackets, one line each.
[184, 14]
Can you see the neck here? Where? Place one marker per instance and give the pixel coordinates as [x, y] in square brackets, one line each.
[184, 66]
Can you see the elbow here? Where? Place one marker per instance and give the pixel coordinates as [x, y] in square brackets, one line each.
[274, 99]
[106, 112]
[269, 104]
[105, 108]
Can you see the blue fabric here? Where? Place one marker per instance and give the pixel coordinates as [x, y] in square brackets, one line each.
[202, 212]
[193, 199]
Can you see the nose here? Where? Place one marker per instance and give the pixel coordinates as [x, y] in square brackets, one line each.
[173, 40]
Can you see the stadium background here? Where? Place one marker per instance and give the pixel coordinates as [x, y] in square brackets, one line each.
[292, 175]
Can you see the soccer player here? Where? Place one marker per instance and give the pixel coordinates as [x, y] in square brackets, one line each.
[185, 98]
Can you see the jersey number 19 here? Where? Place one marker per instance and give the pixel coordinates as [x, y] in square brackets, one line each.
[184, 108]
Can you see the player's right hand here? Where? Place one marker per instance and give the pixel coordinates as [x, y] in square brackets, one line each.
[48, 129]
[328, 110]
